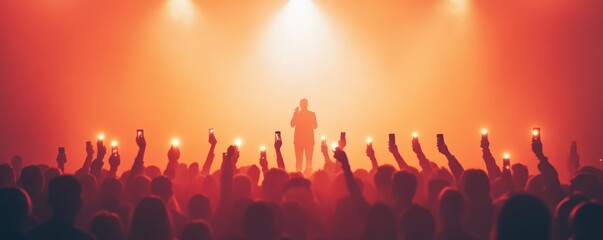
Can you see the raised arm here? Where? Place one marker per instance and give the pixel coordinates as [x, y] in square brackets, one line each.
[89, 155]
[423, 161]
[210, 155]
[553, 188]
[393, 149]
[173, 156]
[138, 165]
[455, 166]
[114, 162]
[370, 153]
[491, 166]
[97, 164]
[353, 188]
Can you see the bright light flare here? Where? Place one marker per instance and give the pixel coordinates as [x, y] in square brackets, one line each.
[484, 131]
[238, 142]
[262, 148]
[369, 140]
[415, 134]
[506, 156]
[535, 132]
[101, 137]
[175, 142]
[181, 10]
[113, 143]
[334, 145]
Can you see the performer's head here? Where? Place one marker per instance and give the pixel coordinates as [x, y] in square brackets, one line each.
[303, 104]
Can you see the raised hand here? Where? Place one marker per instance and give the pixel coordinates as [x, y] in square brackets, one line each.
[102, 150]
[114, 161]
[212, 139]
[324, 149]
[342, 157]
[370, 151]
[443, 149]
[89, 150]
[264, 163]
[416, 147]
[173, 154]
[61, 160]
[141, 142]
[393, 149]
[537, 149]
[278, 144]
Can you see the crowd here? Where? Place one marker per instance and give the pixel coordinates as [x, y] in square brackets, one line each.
[385, 202]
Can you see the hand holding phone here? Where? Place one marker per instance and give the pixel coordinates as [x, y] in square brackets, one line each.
[342, 141]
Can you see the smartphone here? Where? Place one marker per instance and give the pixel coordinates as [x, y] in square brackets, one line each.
[342, 136]
[211, 131]
[263, 153]
[536, 134]
[140, 133]
[323, 140]
[114, 150]
[277, 135]
[61, 150]
[440, 140]
[506, 164]
[392, 139]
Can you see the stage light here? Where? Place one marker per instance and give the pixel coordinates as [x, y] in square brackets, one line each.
[181, 9]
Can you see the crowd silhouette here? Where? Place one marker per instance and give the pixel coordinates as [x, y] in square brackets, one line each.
[260, 202]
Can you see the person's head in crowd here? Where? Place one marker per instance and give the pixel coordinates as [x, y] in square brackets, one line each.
[51, 173]
[197, 230]
[259, 222]
[586, 220]
[241, 187]
[31, 180]
[199, 208]
[111, 194]
[416, 223]
[7, 176]
[434, 187]
[65, 197]
[106, 226]
[17, 163]
[475, 185]
[138, 188]
[299, 190]
[383, 180]
[162, 187]
[587, 184]
[404, 187]
[295, 221]
[15, 206]
[150, 221]
[562, 215]
[152, 171]
[523, 216]
[520, 176]
[88, 182]
[193, 170]
[253, 173]
[451, 208]
[273, 184]
[380, 223]
[536, 186]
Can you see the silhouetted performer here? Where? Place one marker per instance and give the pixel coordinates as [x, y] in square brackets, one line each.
[304, 122]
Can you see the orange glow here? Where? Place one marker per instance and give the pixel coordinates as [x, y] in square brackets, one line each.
[175, 142]
[238, 142]
[415, 134]
[334, 145]
[366, 67]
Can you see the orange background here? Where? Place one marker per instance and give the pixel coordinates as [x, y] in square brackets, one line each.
[70, 69]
